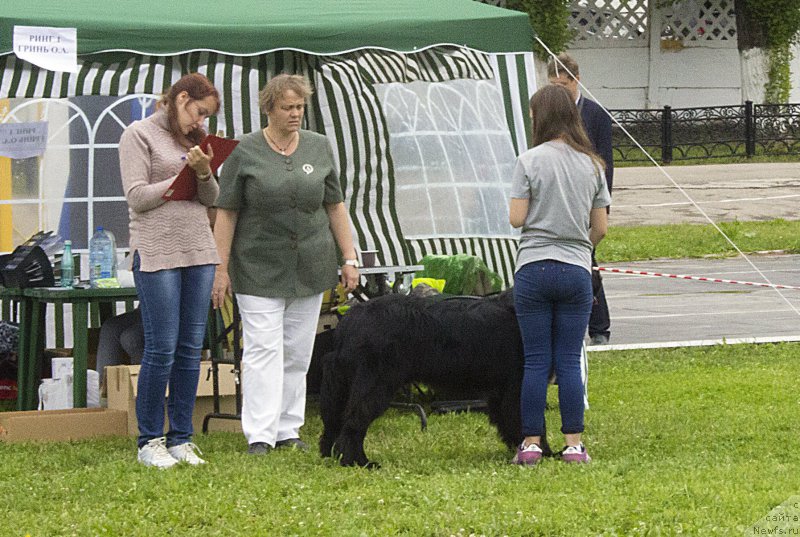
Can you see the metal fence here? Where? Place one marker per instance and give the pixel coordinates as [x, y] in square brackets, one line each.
[673, 134]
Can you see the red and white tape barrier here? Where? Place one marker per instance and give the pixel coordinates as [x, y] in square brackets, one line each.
[697, 278]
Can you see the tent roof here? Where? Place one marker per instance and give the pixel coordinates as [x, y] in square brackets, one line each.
[244, 27]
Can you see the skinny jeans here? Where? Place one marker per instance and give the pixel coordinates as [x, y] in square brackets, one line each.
[553, 301]
[174, 304]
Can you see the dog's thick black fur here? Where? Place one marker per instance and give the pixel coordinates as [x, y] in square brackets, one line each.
[388, 342]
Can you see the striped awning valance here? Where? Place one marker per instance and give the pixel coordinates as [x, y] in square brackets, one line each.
[432, 65]
[238, 78]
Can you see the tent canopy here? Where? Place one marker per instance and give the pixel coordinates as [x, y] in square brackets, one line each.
[246, 27]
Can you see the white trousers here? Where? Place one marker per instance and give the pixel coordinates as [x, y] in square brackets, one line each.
[278, 336]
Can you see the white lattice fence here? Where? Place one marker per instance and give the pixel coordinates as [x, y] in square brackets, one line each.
[623, 20]
[699, 20]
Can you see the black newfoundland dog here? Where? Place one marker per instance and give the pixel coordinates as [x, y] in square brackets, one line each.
[461, 343]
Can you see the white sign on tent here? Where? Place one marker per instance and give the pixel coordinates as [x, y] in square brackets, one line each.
[23, 140]
[54, 49]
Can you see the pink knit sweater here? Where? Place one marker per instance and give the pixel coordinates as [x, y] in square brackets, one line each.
[167, 234]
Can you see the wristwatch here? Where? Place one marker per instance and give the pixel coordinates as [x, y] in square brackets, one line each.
[352, 262]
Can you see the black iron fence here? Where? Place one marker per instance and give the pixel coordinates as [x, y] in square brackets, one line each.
[673, 134]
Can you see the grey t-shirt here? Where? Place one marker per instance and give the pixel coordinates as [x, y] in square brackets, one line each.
[563, 186]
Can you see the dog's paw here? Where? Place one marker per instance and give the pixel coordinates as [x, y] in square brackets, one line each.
[325, 448]
[369, 465]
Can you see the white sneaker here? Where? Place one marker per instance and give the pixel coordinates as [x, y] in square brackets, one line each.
[186, 453]
[575, 454]
[154, 453]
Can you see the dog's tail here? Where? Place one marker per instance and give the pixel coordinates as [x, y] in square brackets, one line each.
[333, 395]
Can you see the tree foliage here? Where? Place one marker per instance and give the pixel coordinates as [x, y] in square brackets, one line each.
[772, 25]
[550, 21]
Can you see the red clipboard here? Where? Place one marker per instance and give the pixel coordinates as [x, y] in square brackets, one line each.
[184, 187]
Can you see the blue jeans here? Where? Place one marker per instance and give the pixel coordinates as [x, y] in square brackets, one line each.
[174, 305]
[553, 301]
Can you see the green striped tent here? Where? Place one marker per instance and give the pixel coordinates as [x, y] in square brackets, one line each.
[347, 48]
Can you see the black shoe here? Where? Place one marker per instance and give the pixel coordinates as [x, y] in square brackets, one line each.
[598, 339]
[295, 443]
[258, 448]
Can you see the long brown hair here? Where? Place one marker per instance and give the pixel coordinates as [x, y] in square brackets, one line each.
[555, 115]
[198, 87]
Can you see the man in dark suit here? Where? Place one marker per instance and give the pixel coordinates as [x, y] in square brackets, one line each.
[564, 71]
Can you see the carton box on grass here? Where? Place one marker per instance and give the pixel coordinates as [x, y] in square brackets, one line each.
[61, 425]
[122, 385]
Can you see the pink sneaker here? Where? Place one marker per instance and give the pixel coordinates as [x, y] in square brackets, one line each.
[575, 454]
[527, 455]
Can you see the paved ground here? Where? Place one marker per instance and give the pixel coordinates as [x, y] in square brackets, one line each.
[649, 311]
[652, 311]
[724, 192]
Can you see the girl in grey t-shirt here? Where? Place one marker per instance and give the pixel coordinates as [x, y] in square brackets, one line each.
[558, 198]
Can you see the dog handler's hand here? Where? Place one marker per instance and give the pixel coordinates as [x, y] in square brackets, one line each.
[349, 278]
[221, 288]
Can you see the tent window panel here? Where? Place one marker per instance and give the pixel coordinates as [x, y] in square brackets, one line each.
[491, 110]
[70, 222]
[450, 110]
[401, 106]
[461, 159]
[451, 139]
[436, 163]
[75, 125]
[408, 163]
[472, 205]
[113, 215]
[29, 217]
[107, 177]
[24, 178]
[446, 221]
[75, 185]
[496, 202]
[416, 213]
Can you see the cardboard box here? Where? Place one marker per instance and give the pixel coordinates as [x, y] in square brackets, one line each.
[61, 425]
[122, 385]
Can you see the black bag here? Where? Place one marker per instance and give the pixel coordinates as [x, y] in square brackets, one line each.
[9, 338]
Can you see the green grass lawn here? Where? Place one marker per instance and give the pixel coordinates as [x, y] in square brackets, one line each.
[688, 441]
[696, 156]
[631, 243]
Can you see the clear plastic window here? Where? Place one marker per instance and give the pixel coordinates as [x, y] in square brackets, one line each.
[453, 157]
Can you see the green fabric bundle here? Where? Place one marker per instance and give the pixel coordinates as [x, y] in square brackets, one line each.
[465, 274]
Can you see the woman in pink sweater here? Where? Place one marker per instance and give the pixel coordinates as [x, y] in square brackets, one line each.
[174, 258]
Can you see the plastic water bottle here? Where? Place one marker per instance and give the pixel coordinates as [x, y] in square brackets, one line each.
[113, 249]
[67, 266]
[102, 257]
